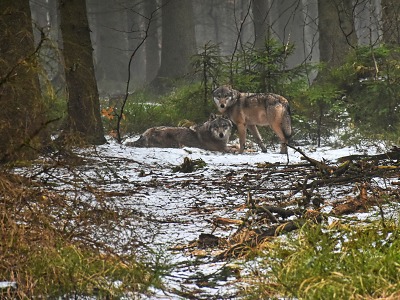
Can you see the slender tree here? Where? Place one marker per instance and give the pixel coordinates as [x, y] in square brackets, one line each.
[83, 98]
[151, 44]
[22, 113]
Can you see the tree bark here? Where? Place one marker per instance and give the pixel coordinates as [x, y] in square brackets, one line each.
[336, 31]
[391, 21]
[151, 44]
[83, 98]
[261, 24]
[22, 112]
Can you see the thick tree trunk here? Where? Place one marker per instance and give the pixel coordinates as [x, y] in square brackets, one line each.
[178, 40]
[336, 30]
[83, 98]
[261, 24]
[391, 21]
[22, 110]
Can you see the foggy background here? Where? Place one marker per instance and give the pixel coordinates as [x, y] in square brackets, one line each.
[118, 28]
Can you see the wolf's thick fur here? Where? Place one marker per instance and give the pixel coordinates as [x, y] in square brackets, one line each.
[212, 135]
[248, 110]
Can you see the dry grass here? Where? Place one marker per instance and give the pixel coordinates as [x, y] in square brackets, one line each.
[50, 244]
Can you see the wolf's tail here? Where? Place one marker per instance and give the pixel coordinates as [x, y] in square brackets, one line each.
[287, 122]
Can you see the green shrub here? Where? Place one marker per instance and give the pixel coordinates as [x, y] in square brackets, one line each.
[184, 105]
[71, 270]
[318, 111]
[188, 103]
[370, 80]
[332, 262]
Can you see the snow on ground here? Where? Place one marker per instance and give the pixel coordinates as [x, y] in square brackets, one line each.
[174, 208]
[186, 204]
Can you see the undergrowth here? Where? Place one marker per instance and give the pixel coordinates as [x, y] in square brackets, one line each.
[339, 261]
[55, 244]
[185, 105]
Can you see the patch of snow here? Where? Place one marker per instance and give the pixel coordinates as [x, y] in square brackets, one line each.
[179, 206]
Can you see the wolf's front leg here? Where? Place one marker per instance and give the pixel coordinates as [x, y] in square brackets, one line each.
[242, 136]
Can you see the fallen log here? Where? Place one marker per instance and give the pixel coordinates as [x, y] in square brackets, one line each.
[393, 154]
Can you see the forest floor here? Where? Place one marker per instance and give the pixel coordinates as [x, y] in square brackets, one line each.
[201, 209]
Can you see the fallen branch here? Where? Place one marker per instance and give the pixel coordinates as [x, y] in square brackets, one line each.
[393, 154]
[320, 165]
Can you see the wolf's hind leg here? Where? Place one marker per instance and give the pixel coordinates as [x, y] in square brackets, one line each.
[256, 134]
[277, 128]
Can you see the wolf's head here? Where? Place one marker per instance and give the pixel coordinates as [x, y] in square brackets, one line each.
[224, 97]
[220, 127]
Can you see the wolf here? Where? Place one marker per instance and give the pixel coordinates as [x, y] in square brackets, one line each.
[247, 110]
[212, 135]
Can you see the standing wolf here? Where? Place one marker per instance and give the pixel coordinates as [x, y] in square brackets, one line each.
[248, 110]
[212, 135]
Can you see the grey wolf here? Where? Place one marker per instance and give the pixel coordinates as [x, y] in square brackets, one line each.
[247, 110]
[212, 135]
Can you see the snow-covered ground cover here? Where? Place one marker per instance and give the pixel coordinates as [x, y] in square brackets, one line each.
[174, 208]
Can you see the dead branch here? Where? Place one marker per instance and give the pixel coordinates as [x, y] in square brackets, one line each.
[393, 154]
[320, 165]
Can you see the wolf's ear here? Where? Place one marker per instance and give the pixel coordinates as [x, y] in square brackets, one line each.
[235, 93]
[212, 117]
[230, 122]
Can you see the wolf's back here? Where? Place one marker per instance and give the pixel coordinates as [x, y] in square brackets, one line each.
[141, 142]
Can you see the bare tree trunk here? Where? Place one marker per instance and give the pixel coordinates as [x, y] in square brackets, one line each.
[46, 20]
[152, 50]
[261, 24]
[336, 30]
[391, 21]
[83, 98]
[22, 110]
[178, 41]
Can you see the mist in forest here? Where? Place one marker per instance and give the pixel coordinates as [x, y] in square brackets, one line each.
[163, 35]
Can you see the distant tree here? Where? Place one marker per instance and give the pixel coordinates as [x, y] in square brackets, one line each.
[22, 113]
[151, 44]
[337, 33]
[261, 26]
[391, 21]
[109, 30]
[178, 42]
[83, 98]
[261, 32]
[46, 20]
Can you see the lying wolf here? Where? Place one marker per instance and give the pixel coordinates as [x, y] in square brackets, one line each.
[248, 110]
[212, 135]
